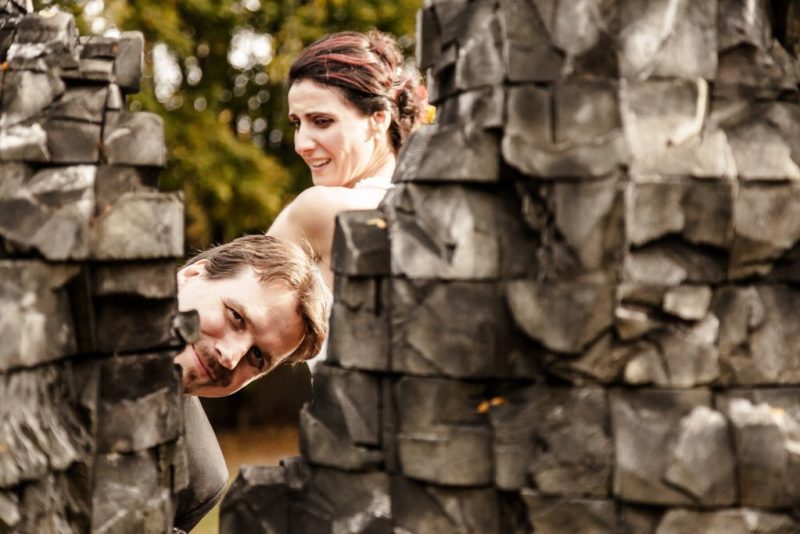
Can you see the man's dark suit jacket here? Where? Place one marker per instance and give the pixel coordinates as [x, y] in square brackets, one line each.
[208, 474]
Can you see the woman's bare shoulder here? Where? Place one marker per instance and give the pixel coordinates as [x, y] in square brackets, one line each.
[336, 199]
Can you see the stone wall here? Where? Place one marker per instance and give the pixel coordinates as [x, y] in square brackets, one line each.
[90, 418]
[577, 310]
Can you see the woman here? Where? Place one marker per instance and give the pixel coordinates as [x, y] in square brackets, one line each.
[352, 105]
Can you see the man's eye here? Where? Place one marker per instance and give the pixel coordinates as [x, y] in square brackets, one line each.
[237, 319]
[257, 357]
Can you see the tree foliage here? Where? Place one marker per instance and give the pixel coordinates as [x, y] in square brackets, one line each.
[228, 137]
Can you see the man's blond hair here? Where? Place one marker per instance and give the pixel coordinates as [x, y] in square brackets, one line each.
[278, 260]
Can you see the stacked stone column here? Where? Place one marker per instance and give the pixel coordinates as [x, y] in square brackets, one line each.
[577, 309]
[90, 413]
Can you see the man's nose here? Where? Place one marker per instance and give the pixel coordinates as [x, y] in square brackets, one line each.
[231, 351]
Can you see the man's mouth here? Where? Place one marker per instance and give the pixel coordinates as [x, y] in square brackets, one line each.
[203, 365]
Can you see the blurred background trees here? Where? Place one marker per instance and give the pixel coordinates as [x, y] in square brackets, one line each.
[216, 72]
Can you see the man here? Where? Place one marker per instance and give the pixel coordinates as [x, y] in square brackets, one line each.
[261, 303]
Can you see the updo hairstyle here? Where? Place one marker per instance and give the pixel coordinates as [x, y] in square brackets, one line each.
[368, 69]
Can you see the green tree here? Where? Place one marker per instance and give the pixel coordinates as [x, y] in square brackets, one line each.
[224, 107]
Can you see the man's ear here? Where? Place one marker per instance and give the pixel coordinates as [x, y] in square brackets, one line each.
[197, 268]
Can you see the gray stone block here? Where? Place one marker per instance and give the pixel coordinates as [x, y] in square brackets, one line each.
[349, 401]
[603, 362]
[257, 501]
[55, 27]
[765, 227]
[426, 509]
[428, 38]
[35, 320]
[140, 226]
[583, 31]
[341, 426]
[766, 451]
[70, 142]
[90, 69]
[661, 38]
[453, 153]
[360, 244]
[41, 57]
[115, 101]
[458, 329]
[586, 111]
[49, 211]
[8, 25]
[129, 62]
[114, 181]
[480, 60]
[740, 26]
[670, 262]
[744, 520]
[700, 211]
[334, 501]
[442, 439]
[580, 229]
[10, 515]
[129, 495]
[667, 134]
[324, 444]
[557, 436]
[152, 280]
[639, 520]
[359, 332]
[24, 142]
[139, 405]
[555, 516]
[98, 46]
[445, 232]
[452, 16]
[132, 324]
[563, 317]
[528, 145]
[40, 427]
[51, 505]
[134, 139]
[26, 94]
[16, 7]
[441, 80]
[80, 104]
[527, 49]
[412, 152]
[676, 355]
[762, 149]
[758, 336]
[703, 463]
[646, 425]
[747, 70]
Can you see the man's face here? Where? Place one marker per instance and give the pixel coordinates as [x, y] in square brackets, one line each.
[246, 329]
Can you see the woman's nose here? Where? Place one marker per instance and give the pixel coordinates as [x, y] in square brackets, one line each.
[302, 141]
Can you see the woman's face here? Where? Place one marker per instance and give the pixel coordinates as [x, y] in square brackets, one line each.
[339, 144]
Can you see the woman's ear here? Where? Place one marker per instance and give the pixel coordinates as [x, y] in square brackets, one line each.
[193, 270]
[379, 122]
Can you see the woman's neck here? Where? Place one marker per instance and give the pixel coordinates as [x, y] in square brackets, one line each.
[384, 169]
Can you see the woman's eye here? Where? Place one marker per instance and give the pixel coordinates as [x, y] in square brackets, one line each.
[322, 123]
[295, 124]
